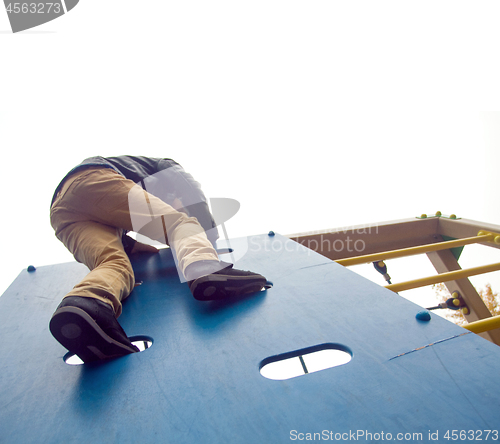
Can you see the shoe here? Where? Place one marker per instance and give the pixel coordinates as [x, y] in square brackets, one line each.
[226, 283]
[88, 328]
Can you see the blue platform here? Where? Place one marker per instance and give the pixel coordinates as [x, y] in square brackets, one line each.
[200, 381]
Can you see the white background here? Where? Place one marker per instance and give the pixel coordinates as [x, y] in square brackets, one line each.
[312, 115]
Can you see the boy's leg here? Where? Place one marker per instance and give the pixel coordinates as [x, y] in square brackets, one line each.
[179, 189]
[85, 321]
[99, 247]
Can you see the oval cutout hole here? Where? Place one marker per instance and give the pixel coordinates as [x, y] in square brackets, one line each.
[308, 360]
[141, 342]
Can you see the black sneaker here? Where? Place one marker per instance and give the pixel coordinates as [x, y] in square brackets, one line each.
[226, 283]
[88, 328]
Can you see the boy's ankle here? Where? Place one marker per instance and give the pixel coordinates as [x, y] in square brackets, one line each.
[204, 268]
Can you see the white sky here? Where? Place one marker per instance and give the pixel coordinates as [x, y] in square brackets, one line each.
[312, 115]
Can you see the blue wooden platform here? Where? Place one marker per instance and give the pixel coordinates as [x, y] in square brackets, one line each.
[200, 381]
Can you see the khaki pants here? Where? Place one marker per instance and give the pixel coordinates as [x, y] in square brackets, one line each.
[89, 215]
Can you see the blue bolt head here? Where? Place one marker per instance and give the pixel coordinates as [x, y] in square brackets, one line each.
[31, 268]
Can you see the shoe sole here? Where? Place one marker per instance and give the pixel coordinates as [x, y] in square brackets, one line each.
[75, 330]
[216, 287]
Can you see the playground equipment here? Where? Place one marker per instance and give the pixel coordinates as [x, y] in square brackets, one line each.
[202, 377]
[441, 238]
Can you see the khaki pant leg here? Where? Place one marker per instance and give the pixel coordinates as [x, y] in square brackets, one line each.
[159, 221]
[100, 248]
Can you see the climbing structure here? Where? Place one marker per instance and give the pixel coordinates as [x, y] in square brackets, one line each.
[201, 380]
[441, 238]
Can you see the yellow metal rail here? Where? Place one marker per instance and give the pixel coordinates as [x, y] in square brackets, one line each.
[417, 250]
[443, 277]
[483, 325]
